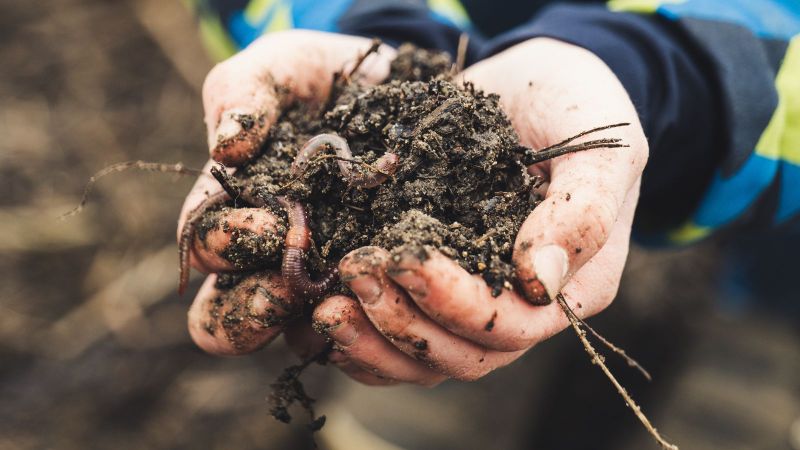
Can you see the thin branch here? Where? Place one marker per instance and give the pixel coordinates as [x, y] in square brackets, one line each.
[226, 182]
[178, 168]
[373, 48]
[584, 133]
[544, 155]
[628, 359]
[461, 53]
[598, 360]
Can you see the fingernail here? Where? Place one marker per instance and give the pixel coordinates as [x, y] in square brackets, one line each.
[404, 270]
[344, 333]
[230, 125]
[551, 264]
[367, 288]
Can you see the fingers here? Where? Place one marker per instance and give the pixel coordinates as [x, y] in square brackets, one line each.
[463, 303]
[230, 239]
[242, 96]
[306, 343]
[342, 319]
[240, 320]
[568, 90]
[397, 318]
[595, 285]
[569, 227]
[241, 239]
[356, 372]
[303, 340]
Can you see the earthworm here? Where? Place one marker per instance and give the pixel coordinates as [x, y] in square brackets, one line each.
[380, 171]
[298, 242]
[187, 234]
[188, 230]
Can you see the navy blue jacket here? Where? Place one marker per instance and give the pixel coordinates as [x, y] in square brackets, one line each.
[716, 84]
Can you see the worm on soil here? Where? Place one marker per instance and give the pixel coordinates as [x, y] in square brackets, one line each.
[188, 232]
[298, 242]
[380, 171]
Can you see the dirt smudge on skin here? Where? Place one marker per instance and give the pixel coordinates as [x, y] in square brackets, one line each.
[490, 324]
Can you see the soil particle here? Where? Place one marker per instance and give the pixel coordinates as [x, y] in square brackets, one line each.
[490, 324]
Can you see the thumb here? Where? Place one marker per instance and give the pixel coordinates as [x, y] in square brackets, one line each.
[243, 95]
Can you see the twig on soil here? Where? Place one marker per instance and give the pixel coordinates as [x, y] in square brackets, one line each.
[486, 236]
[537, 157]
[584, 133]
[218, 172]
[561, 148]
[461, 53]
[177, 168]
[575, 321]
[373, 48]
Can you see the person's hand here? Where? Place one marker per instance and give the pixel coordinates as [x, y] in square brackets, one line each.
[422, 318]
[242, 98]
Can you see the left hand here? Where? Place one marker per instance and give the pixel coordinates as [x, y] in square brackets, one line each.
[422, 321]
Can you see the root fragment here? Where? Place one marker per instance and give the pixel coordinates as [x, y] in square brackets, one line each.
[288, 389]
[561, 148]
[373, 48]
[145, 166]
[461, 54]
[598, 360]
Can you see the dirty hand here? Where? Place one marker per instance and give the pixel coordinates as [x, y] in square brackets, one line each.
[242, 98]
[421, 318]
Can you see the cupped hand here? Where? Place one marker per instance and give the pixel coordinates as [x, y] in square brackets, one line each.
[421, 318]
[242, 98]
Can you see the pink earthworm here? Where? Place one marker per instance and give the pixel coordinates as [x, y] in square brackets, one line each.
[188, 232]
[297, 244]
[380, 170]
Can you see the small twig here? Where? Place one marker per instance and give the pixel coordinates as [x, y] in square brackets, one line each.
[461, 53]
[598, 360]
[354, 207]
[434, 115]
[178, 168]
[628, 359]
[373, 48]
[584, 133]
[226, 182]
[544, 155]
[486, 236]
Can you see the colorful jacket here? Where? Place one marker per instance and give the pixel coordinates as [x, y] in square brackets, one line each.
[716, 84]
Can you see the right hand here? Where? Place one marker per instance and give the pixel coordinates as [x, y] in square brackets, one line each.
[242, 98]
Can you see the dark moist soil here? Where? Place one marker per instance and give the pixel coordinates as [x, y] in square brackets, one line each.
[460, 186]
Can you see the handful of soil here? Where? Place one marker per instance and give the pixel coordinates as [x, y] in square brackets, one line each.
[456, 179]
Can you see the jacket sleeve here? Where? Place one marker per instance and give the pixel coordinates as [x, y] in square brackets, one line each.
[227, 26]
[716, 84]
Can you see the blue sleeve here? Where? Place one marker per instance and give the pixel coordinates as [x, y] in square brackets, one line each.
[230, 25]
[716, 87]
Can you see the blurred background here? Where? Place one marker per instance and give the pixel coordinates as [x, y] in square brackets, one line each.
[94, 351]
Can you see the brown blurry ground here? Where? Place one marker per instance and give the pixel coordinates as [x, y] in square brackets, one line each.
[94, 351]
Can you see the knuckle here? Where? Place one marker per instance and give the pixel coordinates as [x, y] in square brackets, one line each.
[597, 217]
